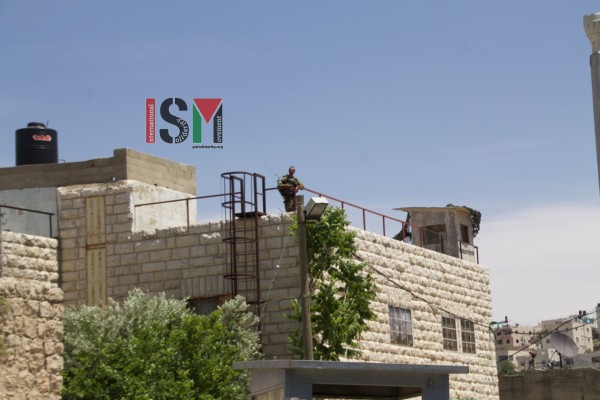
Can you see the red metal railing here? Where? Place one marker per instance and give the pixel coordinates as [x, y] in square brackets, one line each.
[463, 247]
[364, 212]
[187, 203]
[26, 210]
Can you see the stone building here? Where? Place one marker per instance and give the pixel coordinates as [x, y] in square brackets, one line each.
[30, 318]
[514, 343]
[531, 347]
[130, 221]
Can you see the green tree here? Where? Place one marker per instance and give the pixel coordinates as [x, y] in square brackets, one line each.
[340, 289]
[506, 367]
[474, 216]
[155, 348]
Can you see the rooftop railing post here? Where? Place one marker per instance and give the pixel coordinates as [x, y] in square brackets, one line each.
[187, 212]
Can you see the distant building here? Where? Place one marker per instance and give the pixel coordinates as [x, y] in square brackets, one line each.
[579, 330]
[529, 347]
[514, 343]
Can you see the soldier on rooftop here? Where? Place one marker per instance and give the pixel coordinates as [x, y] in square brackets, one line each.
[288, 185]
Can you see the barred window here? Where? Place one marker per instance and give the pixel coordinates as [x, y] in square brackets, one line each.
[400, 326]
[205, 305]
[449, 334]
[467, 332]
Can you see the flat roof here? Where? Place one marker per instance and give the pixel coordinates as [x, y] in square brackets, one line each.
[342, 366]
[433, 209]
[307, 379]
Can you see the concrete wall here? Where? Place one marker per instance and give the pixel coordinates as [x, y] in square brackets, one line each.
[125, 164]
[561, 384]
[34, 187]
[31, 326]
[96, 228]
[450, 240]
[102, 256]
[167, 213]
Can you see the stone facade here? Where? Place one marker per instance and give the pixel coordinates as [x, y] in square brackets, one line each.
[110, 244]
[183, 262]
[31, 322]
[96, 224]
[191, 262]
[431, 285]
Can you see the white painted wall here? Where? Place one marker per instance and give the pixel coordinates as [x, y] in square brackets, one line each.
[39, 199]
[160, 216]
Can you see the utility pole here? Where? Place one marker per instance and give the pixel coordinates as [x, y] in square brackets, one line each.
[591, 24]
[304, 281]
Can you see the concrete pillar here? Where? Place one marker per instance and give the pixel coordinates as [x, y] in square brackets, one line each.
[591, 24]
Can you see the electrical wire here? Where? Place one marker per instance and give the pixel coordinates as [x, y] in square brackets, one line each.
[433, 307]
[429, 303]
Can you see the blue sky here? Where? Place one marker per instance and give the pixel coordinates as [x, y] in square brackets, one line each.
[383, 104]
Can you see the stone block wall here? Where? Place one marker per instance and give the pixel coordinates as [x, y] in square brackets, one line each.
[31, 323]
[125, 164]
[103, 255]
[557, 384]
[96, 224]
[191, 263]
[431, 285]
[34, 187]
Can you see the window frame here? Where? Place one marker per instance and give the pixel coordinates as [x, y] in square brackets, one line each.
[458, 335]
[467, 335]
[205, 305]
[401, 326]
[449, 334]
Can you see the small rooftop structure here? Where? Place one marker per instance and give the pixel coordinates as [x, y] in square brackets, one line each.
[446, 230]
[303, 379]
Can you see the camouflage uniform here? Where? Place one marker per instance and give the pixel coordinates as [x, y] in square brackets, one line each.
[288, 186]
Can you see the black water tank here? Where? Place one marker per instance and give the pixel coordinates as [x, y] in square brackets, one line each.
[36, 144]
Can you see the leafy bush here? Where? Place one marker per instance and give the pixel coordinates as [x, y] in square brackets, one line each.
[155, 348]
[506, 367]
